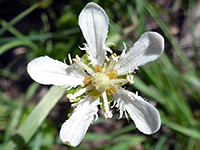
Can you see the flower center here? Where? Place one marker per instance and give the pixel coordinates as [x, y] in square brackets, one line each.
[101, 82]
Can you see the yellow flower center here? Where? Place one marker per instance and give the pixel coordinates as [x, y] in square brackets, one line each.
[101, 81]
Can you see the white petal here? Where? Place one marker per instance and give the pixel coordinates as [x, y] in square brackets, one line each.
[94, 22]
[46, 70]
[149, 47]
[74, 129]
[145, 116]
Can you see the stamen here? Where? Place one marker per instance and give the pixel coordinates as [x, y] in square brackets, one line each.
[123, 51]
[116, 81]
[70, 59]
[72, 97]
[89, 70]
[113, 60]
[130, 79]
[78, 61]
[98, 68]
[95, 93]
[88, 80]
[111, 90]
[108, 114]
[112, 74]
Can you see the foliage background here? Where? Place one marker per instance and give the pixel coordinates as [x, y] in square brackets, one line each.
[31, 114]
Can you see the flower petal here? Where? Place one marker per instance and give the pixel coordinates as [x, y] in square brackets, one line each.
[46, 70]
[145, 116]
[94, 22]
[74, 129]
[148, 48]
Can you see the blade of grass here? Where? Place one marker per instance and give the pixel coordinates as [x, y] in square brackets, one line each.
[34, 120]
[151, 10]
[13, 30]
[5, 72]
[151, 92]
[15, 117]
[141, 16]
[37, 141]
[20, 16]
[161, 143]
[17, 43]
[167, 83]
[191, 144]
[191, 28]
[110, 136]
[6, 101]
[42, 36]
[16, 114]
[124, 142]
[191, 132]
[30, 92]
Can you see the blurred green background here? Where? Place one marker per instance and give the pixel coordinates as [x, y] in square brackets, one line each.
[31, 114]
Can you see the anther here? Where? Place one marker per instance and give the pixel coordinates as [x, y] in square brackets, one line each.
[108, 115]
[112, 74]
[114, 58]
[88, 80]
[111, 90]
[130, 79]
[95, 93]
[76, 59]
[98, 68]
[71, 97]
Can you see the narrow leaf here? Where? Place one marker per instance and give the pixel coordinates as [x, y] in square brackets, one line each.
[35, 119]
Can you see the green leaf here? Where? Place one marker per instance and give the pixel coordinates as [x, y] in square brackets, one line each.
[35, 119]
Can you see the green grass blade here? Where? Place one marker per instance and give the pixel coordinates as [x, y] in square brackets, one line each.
[20, 17]
[42, 36]
[16, 114]
[125, 142]
[192, 132]
[37, 141]
[35, 119]
[150, 8]
[161, 142]
[30, 92]
[12, 123]
[17, 43]
[13, 30]
[191, 144]
[192, 21]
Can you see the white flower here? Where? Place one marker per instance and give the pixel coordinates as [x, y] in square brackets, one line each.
[96, 79]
